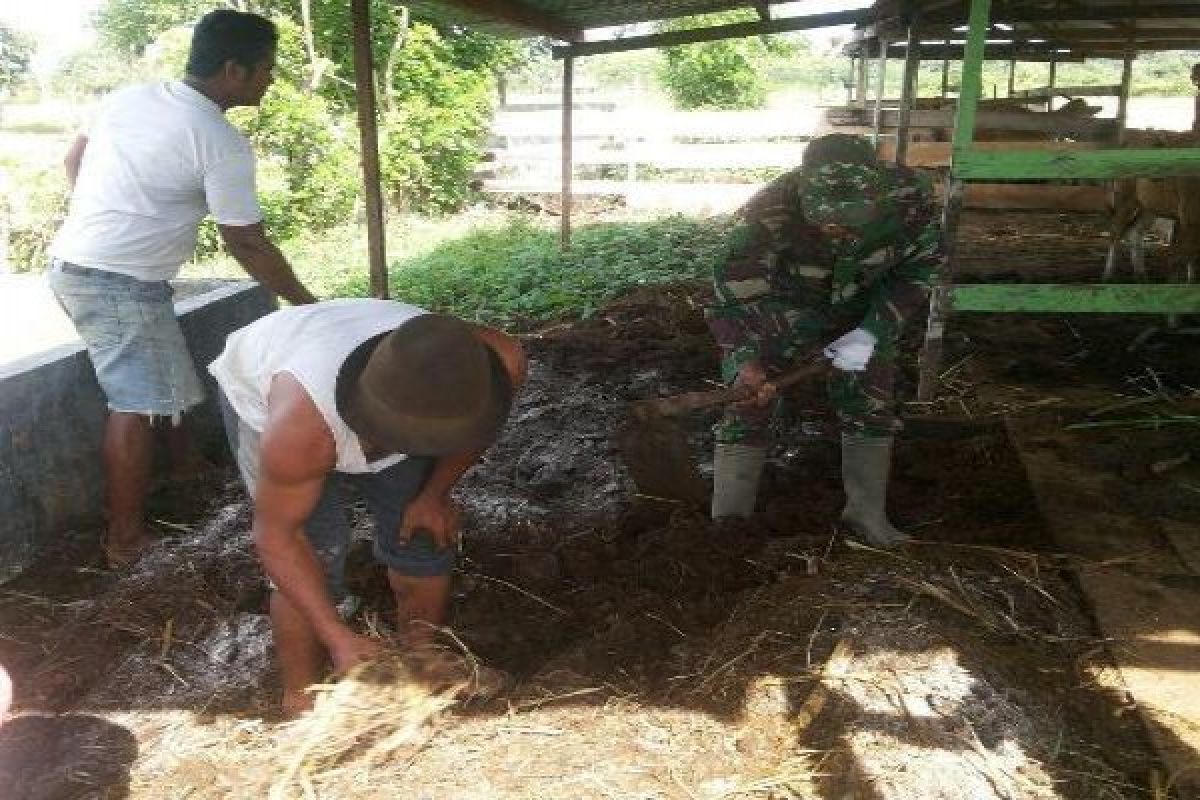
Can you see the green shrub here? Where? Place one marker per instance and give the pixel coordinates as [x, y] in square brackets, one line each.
[728, 74]
[429, 152]
[36, 205]
[433, 135]
[311, 153]
[514, 271]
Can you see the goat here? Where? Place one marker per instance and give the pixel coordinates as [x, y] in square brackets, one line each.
[1137, 202]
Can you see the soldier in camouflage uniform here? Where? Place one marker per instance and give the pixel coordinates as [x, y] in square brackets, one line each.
[843, 243]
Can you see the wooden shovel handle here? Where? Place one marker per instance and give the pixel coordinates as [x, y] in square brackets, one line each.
[694, 401]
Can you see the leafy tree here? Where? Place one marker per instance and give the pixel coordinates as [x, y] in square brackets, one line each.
[16, 49]
[129, 26]
[436, 124]
[727, 74]
[93, 71]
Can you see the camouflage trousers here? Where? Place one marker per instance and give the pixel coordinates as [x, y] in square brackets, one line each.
[863, 401]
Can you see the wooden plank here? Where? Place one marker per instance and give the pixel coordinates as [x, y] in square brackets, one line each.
[938, 154]
[981, 165]
[1150, 618]
[364, 77]
[710, 34]
[1032, 121]
[1154, 640]
[1047, 92]
[737, 126]
[1035, 197]
[667, 156]
[1135, 298]
[1023, 52]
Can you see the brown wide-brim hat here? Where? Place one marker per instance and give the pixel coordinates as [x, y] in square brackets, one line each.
[428, 388]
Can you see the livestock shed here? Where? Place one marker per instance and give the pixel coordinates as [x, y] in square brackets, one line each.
[1038, 638]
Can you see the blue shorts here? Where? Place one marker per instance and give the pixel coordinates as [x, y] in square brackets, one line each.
[387, 494]
[133, 337]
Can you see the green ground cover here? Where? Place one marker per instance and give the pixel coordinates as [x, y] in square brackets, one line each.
[504, 268]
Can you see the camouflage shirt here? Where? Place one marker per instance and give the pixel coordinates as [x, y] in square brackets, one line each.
[842, 238]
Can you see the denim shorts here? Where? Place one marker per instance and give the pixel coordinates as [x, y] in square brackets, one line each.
[387, 494]
[133, 337]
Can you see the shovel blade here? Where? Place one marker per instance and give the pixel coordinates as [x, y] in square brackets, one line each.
[661, 461]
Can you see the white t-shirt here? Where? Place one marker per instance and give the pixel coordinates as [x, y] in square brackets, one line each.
[159, 158]
[310, 343]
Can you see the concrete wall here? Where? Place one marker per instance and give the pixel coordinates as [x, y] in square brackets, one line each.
[51, 420]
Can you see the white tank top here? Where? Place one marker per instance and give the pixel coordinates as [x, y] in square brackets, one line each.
[310, 343]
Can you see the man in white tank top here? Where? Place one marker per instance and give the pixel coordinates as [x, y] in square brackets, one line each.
[388, 398]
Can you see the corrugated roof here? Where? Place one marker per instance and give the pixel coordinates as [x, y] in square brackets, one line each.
[1071, 28]
[1067, 27]
[520, 19]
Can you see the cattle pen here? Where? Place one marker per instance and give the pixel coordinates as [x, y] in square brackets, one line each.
[1040, 640]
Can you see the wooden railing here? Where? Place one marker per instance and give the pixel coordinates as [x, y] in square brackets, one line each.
[623, 152]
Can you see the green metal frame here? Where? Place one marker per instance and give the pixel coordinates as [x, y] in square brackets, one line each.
[971, 164]
[1015, 165]
[1159, 298]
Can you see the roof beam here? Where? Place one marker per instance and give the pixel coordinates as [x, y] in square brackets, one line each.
[1073, 33]
[937, 52]
[711, 34]
[1085, 14]
[523, 16]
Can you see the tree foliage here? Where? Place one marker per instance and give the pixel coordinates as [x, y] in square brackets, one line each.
[727, 74]
[435, 95]
[16, 50]
[129, 26]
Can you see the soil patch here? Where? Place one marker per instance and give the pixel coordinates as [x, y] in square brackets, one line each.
[653, 653]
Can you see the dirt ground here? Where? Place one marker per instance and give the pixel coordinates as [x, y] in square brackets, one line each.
[653, 654]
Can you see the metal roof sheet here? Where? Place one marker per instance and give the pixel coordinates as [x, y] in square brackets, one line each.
[1067, 27]
[519, 18]
[1070, 27]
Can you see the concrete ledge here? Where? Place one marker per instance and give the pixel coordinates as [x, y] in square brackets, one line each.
[51, 422]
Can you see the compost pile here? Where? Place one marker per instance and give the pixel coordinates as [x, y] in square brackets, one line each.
[651, 652]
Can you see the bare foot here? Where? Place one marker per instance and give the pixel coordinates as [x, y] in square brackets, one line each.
[122, 551]
[295, 703]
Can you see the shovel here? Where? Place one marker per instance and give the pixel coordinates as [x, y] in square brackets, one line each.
[656, 449]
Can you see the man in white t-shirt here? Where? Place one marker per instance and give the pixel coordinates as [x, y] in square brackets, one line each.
[155, 161]
[385, 398]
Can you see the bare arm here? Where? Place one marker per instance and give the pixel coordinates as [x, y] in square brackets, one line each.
[432, 509]
[74, 158]
[259, 256]
[297, 452]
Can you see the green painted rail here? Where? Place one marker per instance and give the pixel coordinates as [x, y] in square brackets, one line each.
[1111, 298]
[1012, 165]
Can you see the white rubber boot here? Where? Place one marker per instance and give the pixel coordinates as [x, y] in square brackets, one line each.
[736, 472]
[866, 463]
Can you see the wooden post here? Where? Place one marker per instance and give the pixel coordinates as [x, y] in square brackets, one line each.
[860, 82]
[878, 123]
[1012, 76]
[568, 95]
[850, 83]
[1123, 98]
[1050, 81]
[912, 63]
[964, 137]
[364, 81]
[946, 70]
